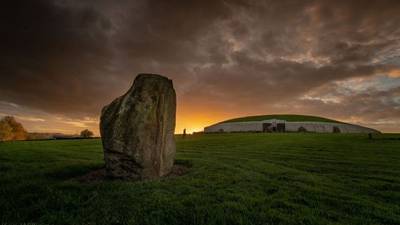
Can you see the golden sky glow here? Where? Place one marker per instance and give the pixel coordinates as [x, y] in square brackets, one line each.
[394, 73]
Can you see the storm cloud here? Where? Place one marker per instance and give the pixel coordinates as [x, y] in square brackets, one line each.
[67, 59]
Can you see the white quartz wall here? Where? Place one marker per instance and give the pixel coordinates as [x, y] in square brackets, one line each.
[234, 127]
[318, 127]
[324, 127]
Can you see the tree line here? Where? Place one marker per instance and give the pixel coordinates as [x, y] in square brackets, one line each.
[11, 130]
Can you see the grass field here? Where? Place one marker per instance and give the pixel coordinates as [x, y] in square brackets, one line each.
[234, 179]
[287, 117]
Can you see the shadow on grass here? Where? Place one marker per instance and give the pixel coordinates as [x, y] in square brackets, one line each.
[70, 172]
[180, 168]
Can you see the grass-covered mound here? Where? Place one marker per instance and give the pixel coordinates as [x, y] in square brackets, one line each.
[233, 179]
[287, 117]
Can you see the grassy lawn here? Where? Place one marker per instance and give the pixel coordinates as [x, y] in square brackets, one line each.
[234, 179]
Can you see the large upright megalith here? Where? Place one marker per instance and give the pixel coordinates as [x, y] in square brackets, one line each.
[137, 129]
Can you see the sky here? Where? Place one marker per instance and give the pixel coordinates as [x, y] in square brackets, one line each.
[61, 61]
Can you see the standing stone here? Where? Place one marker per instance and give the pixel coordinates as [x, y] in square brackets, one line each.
[137, 130]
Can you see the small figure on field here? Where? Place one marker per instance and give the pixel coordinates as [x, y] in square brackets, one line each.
[184, 133]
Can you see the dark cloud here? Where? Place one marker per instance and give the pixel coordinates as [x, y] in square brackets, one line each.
[51, 56]
[375, 108]
[72, 57]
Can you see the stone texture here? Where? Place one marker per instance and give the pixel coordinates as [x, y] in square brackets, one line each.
[137, 130]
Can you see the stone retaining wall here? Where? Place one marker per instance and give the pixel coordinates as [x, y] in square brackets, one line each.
[318, 127]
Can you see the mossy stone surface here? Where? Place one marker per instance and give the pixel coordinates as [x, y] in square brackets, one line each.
[137, 129]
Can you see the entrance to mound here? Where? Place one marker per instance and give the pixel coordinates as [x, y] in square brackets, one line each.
[269, 127]
[280, 127]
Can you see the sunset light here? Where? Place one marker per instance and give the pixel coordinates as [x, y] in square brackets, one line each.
[200, 112]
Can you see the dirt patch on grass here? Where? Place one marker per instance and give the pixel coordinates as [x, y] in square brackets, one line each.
[100, 175]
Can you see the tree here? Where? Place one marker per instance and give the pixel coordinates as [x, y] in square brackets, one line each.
[10, 129]
[86, 133]
[5, 131]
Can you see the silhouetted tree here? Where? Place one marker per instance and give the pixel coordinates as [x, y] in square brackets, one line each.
[86, 133]
[10, 129]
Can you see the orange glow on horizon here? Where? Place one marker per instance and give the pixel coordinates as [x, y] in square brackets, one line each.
[394, 73]
[194, 122]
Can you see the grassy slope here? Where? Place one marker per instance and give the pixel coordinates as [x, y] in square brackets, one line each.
[287, 117]
[235, 179]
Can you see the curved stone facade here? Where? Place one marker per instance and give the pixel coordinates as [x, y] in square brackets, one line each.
[285, 126]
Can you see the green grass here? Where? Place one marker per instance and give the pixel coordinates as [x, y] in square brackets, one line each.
[234, 179]
[287, 117]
